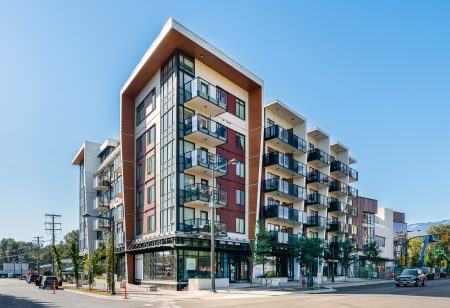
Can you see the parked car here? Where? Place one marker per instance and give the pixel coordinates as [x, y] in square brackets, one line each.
[428, 272]
[32, 278]
[48, 282]
[38, 281]
[412, 276]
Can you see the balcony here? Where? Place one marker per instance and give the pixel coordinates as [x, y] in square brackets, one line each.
[99, 244]
[119, 214]
[118, 190]
[337, 206]
[199, 194]
[352, 192]
[284, 214]
[101, 204]
[199, 128]
[339, 169]
[101, 182]
[284, 189]
[318, 222]
[317, 200]
[316, 179]
[337, 226]
[353, 175]
[337, 189]
[283, 139]
[198, 162]
[201, 95]
[120, 238]
[281, 163]
[199, 225]
[101, 224]
[318, 158]
[284, 238]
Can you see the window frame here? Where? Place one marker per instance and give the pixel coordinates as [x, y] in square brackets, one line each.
[240, 224]
[240, 108]
[239, 138]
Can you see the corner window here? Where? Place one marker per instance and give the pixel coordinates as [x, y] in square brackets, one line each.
[240, 109]
[240, 141]
[240, 225]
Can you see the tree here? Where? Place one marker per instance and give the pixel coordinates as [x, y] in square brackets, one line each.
[58, 263]
[372, 252]
[108, 267]
[308, 250]
[348, 256]
[443, 230]
[260, 249]
[73, 252]
[414, 250]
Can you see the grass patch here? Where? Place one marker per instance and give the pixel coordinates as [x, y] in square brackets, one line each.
[98, 292]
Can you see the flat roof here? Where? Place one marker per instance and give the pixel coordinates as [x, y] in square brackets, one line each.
[288, 113]
[318, 133]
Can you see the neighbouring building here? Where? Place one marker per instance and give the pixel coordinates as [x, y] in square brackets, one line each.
[188, 110]
[400, 233]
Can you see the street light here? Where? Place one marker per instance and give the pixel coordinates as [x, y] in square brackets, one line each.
[111, 230]
[213, 161]
[406, 244]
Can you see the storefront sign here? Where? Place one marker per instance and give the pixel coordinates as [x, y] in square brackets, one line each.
[191, 264]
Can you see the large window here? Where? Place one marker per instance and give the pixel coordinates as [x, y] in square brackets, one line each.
[138, 226]
[139, 145]
[151, 223]
[148, 102]
[240, 141]
[240, 109]
[240, 225]
[151, 135]
[140, 113]
[138, 172]
[151, 164]
[139, 199]
[240, 169]
[381, 241]
[240, 197]
[151, 194]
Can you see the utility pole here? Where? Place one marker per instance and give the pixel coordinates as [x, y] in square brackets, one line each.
[52, 227]
[38, 240]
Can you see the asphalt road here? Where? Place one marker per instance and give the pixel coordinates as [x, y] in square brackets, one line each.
[436, 294]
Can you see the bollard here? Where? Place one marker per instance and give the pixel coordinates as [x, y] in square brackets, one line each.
[125, 293]
[54, 287]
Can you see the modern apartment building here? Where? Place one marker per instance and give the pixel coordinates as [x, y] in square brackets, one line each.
[305, 187]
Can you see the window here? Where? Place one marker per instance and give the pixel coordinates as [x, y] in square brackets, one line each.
[151, 223]
[240, 225]
[138, 172]
[240, 141]
[138, 226]
[240, 109]
[150, 100]
[381, 241]
[151, 194]
[240, 197]
[151, 135]
[240, 169]
[140, 113]
[151, 164]
[139, 145]
[139, 199]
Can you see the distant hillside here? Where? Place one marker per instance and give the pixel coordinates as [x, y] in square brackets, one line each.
[423, 226]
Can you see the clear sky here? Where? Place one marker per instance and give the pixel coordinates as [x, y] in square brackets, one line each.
[373, 74]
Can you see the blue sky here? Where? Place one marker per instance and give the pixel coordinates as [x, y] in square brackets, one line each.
[374, 74]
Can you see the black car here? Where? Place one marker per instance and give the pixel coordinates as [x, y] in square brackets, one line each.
[412, 276]
[428, 273]
[32, 278]
[48, 282]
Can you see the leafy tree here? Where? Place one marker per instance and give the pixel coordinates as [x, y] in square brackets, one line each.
[372, 252]
[308, 250]
[348, 256]
[444, 244]
[414, 250]
[73, 252]
[260, 249]
[108, 267]
[57, 257]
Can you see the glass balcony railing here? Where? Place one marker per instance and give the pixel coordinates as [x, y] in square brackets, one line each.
[316, 177]
[285, 188]
[337, 187]
[101, 182]
[279, 212]
[353, 174]
[352, 192]
[288, 137]
[199, 127]
[202, 193]
[317, 222]
[317, 200]
[279, 237]
[337, 226]
[100, 224]
[339, 168]
[99, 244]
[202, 90]
[204, 159]
[101, 203]
[199, 225]
[337, 206]
[119, 238]
[284, 161]
[317, 155]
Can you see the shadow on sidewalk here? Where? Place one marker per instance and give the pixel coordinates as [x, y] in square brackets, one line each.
[13, 301]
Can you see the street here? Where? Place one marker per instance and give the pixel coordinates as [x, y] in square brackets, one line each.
[16, 293]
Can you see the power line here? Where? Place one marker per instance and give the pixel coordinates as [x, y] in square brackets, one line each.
[38, 238]
[51, 227]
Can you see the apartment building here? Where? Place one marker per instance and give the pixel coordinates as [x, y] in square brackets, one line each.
[100, 174]
[305, 187]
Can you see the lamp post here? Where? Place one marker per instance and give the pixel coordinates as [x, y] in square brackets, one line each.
[406, 244]
[332, 268]
[213, 162]
[111, 230]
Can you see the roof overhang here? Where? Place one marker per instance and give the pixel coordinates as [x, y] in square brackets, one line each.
[79, 157]
[317, 133]
[352, 160]
[175, 36]
[285, 111]
[338, 147]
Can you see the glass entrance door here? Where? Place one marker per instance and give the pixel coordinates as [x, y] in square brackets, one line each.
[232, 271]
